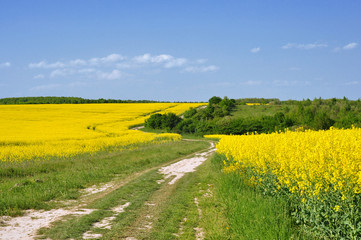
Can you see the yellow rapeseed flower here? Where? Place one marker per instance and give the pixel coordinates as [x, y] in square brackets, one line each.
[37, 132]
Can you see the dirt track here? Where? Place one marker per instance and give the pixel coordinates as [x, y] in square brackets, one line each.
[26, 226]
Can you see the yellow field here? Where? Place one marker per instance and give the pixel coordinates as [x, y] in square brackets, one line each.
[319, 170]
[307, 162]
[41, 131]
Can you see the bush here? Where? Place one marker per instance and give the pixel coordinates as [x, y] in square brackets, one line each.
[155, 121]
[162, 121]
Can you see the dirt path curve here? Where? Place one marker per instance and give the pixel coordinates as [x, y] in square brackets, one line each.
[25, 227]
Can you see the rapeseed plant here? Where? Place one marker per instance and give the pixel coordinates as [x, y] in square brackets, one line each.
[320, 171]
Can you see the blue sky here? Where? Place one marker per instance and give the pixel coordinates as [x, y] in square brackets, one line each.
[180, 50]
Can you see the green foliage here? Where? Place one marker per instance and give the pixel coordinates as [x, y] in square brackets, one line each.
[170, 120]
[243, 101]
[322, 121]
[155, 121]
[214, 100]
[190, 113]
[227, 116]
[162, 121]
[249, 212]
[195, 120]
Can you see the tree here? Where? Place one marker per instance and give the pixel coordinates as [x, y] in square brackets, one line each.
[214, 100]
[170, 120]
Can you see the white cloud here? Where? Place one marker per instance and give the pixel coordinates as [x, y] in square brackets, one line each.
[87, 72]
[168, 60]
[143, 58]
[41, 64]
[346, 47]
[112, 58]
[111, 67]
[255, 50]
[203, 69]
[44, 64]
[39, 76]
[115, 74]
[178, 62]
[304, 46]
[161, 58]
[77, 62]
[350, 46]
[5, 65]
[61, 72]
[251, 83]
[351, 83]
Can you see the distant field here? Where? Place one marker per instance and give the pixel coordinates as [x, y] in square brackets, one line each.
[30, 132]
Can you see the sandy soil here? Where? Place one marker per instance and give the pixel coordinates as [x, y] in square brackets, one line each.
[184, 166]
[106, 223]
[25, 227]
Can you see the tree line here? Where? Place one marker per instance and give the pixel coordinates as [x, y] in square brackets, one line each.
[68, 100]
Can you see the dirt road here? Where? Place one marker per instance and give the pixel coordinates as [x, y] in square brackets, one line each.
[28, 225]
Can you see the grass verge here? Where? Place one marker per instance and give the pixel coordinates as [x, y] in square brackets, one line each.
[249, 213]
[34, 184]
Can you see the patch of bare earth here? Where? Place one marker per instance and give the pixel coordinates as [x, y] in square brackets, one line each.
[150, 212]
[106, 223]
[25, 227]
[199, 231]
[178, 169]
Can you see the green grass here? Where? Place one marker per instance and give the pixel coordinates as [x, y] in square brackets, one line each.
[229, 209]
[136, 192]
[143, 188]
[33, 184]
[184, 136]
[250, 214]
[147, 129]
[244, 111]
[181, 212]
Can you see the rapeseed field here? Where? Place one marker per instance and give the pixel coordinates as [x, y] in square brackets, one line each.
[38, 132]
[319, 172]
